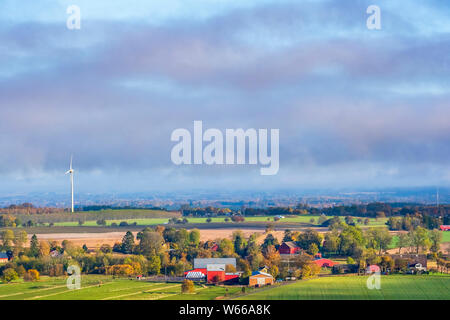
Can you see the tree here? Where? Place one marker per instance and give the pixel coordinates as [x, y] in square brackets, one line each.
[194, 237]
[287, 235]
[378, 238]
[238, 241]
[128, 242]
[154, 265]
[308, 237]
[9, 275]
[106, 248]
[226, 248]
[270, 240]
[187, 286]
[309, 270]
[274, 271]
[44, 249]
[322, 219]
[150, 243]
[7, 237]
[435, 237]
[419, 238]
[34, 246]
[229, 268]
[349, 220]
[101, 222]
[20, 239]
[403, 241]
[313, 249]
[331, 243]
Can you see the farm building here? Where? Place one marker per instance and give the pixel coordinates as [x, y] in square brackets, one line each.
[259, 278]
[445, 228]
[345, 268]
[325, 263]
[213, 270]
[373, 268]
[203, 263]
[289, 247]
[3, 257]
[416, 262]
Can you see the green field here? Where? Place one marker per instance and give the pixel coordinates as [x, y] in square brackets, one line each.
[396, 287]
[106, 288]
[393, 287]
[155, 221]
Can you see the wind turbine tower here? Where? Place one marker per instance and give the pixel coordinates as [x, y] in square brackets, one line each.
[71, 180]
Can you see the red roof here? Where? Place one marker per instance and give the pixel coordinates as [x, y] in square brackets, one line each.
[445, 228]
[325, 263]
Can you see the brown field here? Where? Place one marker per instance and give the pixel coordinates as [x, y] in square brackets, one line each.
[95, 240]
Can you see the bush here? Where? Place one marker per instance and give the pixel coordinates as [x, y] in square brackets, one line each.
[101, 222]
[208, 220]
[187, 286]
[106, 248]
[31, 275]
[113, 224]
[123, 224]
[9, 275]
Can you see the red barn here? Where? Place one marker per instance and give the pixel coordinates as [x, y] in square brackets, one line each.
[289, 247]
[325, 263]
[215, 273]
[445, 228]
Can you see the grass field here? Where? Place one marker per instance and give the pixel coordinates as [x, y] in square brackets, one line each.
[155, 221]
[109, 289]
[393, 287]
[396, 287]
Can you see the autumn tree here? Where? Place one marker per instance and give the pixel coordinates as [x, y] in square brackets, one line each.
[187, 286]
[9, 275]
[31, 275]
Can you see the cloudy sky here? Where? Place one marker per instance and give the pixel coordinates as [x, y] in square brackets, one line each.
[355, 107]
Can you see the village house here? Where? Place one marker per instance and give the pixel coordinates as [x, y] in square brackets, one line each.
[289, 247]
[259, 279]
[3, 257]
[416, 262]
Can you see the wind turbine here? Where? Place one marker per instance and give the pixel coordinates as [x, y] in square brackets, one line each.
[71, 179]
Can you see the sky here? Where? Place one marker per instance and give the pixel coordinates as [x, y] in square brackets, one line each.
[355, 107]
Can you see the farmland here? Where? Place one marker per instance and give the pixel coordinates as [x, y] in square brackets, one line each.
[97, 287]
[306, 219]
[106, 288]
[393, 287]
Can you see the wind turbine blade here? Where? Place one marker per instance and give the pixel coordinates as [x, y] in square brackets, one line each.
[71, 159]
